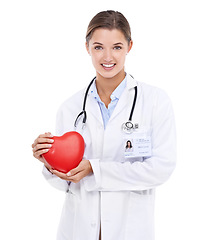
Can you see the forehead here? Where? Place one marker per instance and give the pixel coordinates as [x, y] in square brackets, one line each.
[107, 36]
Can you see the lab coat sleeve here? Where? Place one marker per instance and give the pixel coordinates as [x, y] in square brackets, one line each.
[54, 180]
[153, 171]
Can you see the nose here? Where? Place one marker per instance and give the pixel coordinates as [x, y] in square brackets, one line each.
[107, 55]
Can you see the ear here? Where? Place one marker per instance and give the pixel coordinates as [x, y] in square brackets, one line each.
[130, 46]
[87, 48]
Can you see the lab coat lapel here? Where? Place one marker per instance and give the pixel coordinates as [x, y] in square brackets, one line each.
[125, 98]
[93, 107]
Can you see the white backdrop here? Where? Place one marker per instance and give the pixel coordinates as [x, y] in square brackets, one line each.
[43, 62]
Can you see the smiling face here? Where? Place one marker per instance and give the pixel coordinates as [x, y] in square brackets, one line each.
[108, 49]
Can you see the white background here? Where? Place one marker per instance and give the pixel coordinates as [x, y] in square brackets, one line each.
[43, 62]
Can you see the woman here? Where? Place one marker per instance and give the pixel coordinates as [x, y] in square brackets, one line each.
[110, 195]
[128, 146]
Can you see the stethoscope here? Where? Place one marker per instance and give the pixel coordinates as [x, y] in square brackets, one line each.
[127, 127]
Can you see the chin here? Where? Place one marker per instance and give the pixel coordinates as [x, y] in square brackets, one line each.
[110, 74]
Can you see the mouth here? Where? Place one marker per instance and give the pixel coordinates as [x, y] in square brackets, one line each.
[108, 66]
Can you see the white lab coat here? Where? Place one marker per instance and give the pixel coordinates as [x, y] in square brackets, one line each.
[120, 193]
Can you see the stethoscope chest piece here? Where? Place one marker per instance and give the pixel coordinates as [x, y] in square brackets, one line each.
[128, 127]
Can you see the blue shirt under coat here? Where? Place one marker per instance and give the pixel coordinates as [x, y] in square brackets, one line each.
[115, 96]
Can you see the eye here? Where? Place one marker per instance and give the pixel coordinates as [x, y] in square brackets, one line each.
[98, 48]
[117, 47]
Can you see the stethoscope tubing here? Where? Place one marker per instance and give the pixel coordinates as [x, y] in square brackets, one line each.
[129, 125]
[84, 105]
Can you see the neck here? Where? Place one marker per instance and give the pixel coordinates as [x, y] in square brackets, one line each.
[106, 86]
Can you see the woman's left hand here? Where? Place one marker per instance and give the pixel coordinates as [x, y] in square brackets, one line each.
[76, 174]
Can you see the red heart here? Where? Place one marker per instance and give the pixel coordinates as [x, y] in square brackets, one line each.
[66, 152]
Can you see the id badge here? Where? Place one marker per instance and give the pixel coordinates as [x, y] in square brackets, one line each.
[137, 145]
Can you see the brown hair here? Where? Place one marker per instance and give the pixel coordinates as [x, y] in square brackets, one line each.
[109, 20]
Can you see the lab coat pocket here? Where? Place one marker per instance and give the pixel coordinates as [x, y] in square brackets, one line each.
[142, 202]
[143, 195]
[140, 217]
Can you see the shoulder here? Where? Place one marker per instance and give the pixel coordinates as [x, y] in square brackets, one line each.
[153, 93]
[155, 98]
[68, 112]
[73, 102]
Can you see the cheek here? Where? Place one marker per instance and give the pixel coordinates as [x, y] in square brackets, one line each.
[95, 57]
[95, 60]
[120, 56]
[121, 59]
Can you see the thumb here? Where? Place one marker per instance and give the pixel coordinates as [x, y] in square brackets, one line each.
[73, 172]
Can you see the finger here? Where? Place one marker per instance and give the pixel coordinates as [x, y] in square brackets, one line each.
[64, 176]
[76, 178]
[46, 135]
[81, 167]
[74, 171]
[42, 146]
[39, 153]
[60, 174]
[42, 138]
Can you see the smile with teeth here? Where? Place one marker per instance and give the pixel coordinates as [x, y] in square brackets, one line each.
[108, 65]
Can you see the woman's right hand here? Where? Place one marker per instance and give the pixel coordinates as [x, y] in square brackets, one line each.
[41, 145]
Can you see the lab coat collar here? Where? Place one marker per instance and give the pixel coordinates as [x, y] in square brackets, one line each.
[131, 82]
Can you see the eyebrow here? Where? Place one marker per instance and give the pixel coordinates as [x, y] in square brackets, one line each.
[97, 43]
[119, 43]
